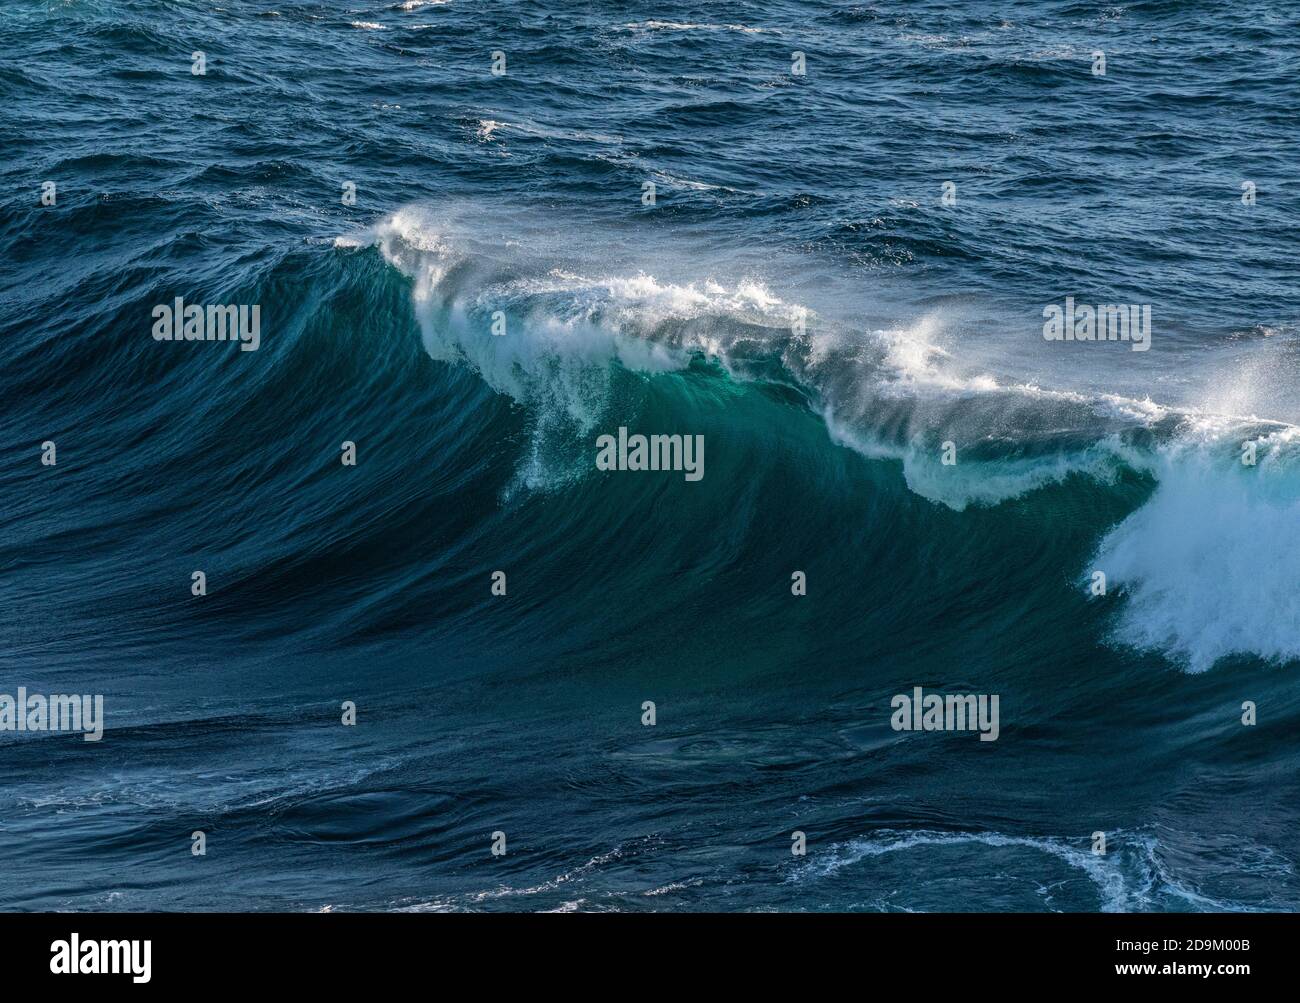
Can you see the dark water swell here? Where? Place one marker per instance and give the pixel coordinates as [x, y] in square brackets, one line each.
[522, 713]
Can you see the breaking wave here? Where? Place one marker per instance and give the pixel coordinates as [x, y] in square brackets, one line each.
[1207, 566]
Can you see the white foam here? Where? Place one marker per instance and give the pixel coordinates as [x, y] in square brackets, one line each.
[917, 359]
[488, 127]
[1210, 565]
[567, 334]
[565, 328]
[1130, 877]
[676, 181]
[689, 26]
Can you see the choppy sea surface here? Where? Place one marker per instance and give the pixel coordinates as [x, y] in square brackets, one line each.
[840, 271]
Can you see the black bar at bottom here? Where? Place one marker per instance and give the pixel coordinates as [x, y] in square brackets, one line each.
[338, 951]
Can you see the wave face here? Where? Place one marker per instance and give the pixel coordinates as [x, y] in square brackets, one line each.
[878, 409]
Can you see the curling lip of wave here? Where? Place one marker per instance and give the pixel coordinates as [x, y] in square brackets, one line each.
[558, 303]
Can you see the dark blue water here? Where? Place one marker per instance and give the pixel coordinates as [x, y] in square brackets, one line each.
[802, 295]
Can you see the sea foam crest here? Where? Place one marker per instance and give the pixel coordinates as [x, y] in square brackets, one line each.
[564, 329]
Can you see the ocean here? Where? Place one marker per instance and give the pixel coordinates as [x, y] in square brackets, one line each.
[377, 622]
